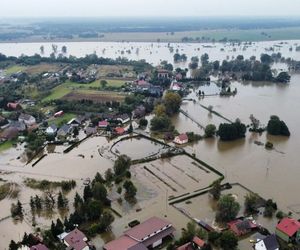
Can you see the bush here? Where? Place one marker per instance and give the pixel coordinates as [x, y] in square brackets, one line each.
[277, 127]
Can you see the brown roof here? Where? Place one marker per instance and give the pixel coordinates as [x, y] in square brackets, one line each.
[147, 228]
[124, 243]
[76, 240]
[9, 133]
[39, 247]
[183, 137]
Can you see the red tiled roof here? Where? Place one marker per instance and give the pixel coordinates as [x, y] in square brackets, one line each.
[183, 137]
[147, 228]
[288, 226]
[75, 239]
[198, 241]
[120, 130]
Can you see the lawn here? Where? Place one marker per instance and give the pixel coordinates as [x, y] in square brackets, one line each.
[5, 146]
[14, 69]
[58, 92]
[68, 87]
[96, 84]
[61, 120]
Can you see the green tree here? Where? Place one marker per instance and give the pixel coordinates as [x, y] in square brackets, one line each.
[190, 232]
[103, 83]
[77, 201]
[210, 130]
[99, 191]
[143, 122]
[16, 209]
[122, 164]
[130, 189]
[283, 77]
[160, 110]
[62, 201]
[172, 102]
[95, 208]
[228, 240]
[13, 245]
[87, 193]
[277, 127]
[108, 175]
[231, 131]
[227, 208]
[251, 201]
[215, 190]
[161, 123]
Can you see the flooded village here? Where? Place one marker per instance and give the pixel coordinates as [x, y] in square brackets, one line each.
[178, 146]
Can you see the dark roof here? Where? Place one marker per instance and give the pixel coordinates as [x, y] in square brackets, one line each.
[18, 125]
[169, 231]
[271, 242]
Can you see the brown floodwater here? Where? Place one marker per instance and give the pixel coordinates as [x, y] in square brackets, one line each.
[273, 174]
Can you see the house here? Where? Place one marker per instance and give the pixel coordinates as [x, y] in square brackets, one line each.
[162, 74]
[59, 114]
[75, 240]
[268, 243]
[288, 230]
[139, 112]
[181, 139]
[103, 124]
[51, 130]
[64, 130]
[119, 130]
[147, 235]
[20, 126]
[195, 244]
[77, 121]
[123, 118]
[39, 247]
[176, 86]
[90, 131]
[241, 227]
[14, 106]
[29, 120]
[9, 133]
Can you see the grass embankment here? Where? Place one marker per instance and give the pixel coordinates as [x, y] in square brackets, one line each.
[10, 190]
[5, 146]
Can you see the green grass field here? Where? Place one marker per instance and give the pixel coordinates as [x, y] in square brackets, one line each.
[14, 69]
[95, 84]
[57, 93]
[5, 146]
[67, 87]
[63, 119]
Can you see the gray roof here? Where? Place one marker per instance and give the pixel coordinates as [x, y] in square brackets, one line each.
[271, 242]
[26, 117]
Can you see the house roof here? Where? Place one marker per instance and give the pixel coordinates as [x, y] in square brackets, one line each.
[39, 247]
[199, 242]
[65, 129]
[120, 130]
[9, 133]
[76, 239]
[186, 246]
[18, 125]
[124, 243]
[271, 242]
[103, 123]
[183, 137]
[241, 227]
[13, 105]
[289, 226]
[26, 117]
[53, 127]
[146, 228]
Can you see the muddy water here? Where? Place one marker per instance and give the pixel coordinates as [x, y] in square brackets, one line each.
[154, 52]
[273, 174]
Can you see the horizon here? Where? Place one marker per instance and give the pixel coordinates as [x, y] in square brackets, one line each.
[153, 8]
